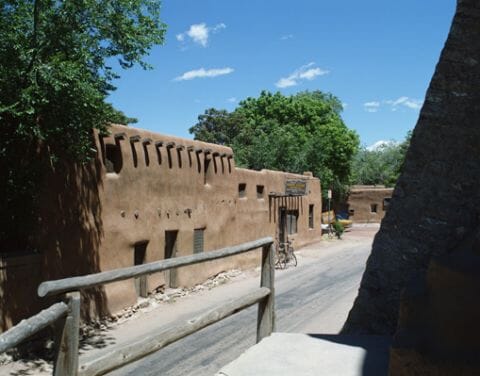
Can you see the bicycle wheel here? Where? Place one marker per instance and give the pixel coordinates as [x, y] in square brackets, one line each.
[293, 258]
[284, 260]
[279, 264]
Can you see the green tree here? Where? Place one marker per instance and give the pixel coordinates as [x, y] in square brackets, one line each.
[217, 126]
[302, 132]
[404, 145]
[57, 62]
[381, 165]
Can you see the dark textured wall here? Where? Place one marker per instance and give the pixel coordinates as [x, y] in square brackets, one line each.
[436, 202]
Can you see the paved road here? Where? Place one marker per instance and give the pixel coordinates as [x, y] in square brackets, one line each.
[312, 298]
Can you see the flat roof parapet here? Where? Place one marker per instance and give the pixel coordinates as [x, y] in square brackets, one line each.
[120, 136]
[135, 138]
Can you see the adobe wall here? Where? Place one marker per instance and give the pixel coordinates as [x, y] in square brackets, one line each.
[139, 186]
[184, 185]
[368, 204]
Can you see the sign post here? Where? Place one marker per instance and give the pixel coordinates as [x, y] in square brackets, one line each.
[329, 196]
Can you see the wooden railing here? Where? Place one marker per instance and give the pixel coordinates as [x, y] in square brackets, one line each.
[67, 359]
[66, 316]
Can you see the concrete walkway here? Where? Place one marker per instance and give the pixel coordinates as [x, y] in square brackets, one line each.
[313, 355]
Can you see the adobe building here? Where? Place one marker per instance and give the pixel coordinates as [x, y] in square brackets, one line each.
[147, 197]
[368, 203]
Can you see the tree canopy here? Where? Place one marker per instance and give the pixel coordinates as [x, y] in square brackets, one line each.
[302, 132]
[381, 165]
[57, 67]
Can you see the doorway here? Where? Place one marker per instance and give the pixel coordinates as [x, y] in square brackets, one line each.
[139, 256]
[170, 252]
[282, 224]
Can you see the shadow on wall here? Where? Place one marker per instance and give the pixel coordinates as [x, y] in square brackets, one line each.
[68, 236]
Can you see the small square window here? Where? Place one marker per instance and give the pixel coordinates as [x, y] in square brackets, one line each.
[260, 190]
[198, 240]
[373, 208]
[242, 190]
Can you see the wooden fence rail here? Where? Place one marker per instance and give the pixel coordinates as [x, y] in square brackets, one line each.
[68, 334]
[91, 280]
[66, 318]
[26, 328]
[144, 346]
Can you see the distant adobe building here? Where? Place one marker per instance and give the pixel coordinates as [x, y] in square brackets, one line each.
[368, 203]
[148, 197]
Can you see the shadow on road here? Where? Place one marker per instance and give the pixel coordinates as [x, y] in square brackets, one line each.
[376, 350]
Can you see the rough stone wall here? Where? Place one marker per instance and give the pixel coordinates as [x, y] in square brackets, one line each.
[436, 201]
[361, 200]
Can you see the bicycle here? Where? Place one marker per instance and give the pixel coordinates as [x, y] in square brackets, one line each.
[283, 257]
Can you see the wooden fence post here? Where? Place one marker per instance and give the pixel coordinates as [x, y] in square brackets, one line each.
[266, 306]
[66, 363]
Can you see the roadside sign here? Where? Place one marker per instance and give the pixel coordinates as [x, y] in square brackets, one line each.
[295, 187]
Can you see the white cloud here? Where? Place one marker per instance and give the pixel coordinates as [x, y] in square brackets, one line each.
[381, 145]
[199, 33]
[286, 82]
[414, 104]
[285, 37]
[395, 104]
[218, 27]
[202, 73]
[371, 106]
[310, 74]
[232, 99]
[305, 72]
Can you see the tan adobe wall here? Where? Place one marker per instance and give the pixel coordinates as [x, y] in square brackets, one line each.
[368, 204]
[201, 194]
[92, 219]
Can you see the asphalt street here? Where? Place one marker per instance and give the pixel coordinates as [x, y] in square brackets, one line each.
[313, 297]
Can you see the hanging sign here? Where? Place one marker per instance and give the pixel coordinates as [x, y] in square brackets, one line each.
[295, 187]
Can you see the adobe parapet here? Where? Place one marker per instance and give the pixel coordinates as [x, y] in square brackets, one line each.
[132, 152]
[126, 150]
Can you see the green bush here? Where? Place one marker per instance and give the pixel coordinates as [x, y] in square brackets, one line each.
[338, 228]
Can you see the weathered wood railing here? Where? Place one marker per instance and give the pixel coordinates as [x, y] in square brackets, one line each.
[67, 359]
[66, 317]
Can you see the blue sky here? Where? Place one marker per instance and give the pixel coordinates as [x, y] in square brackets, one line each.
[376, 56]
